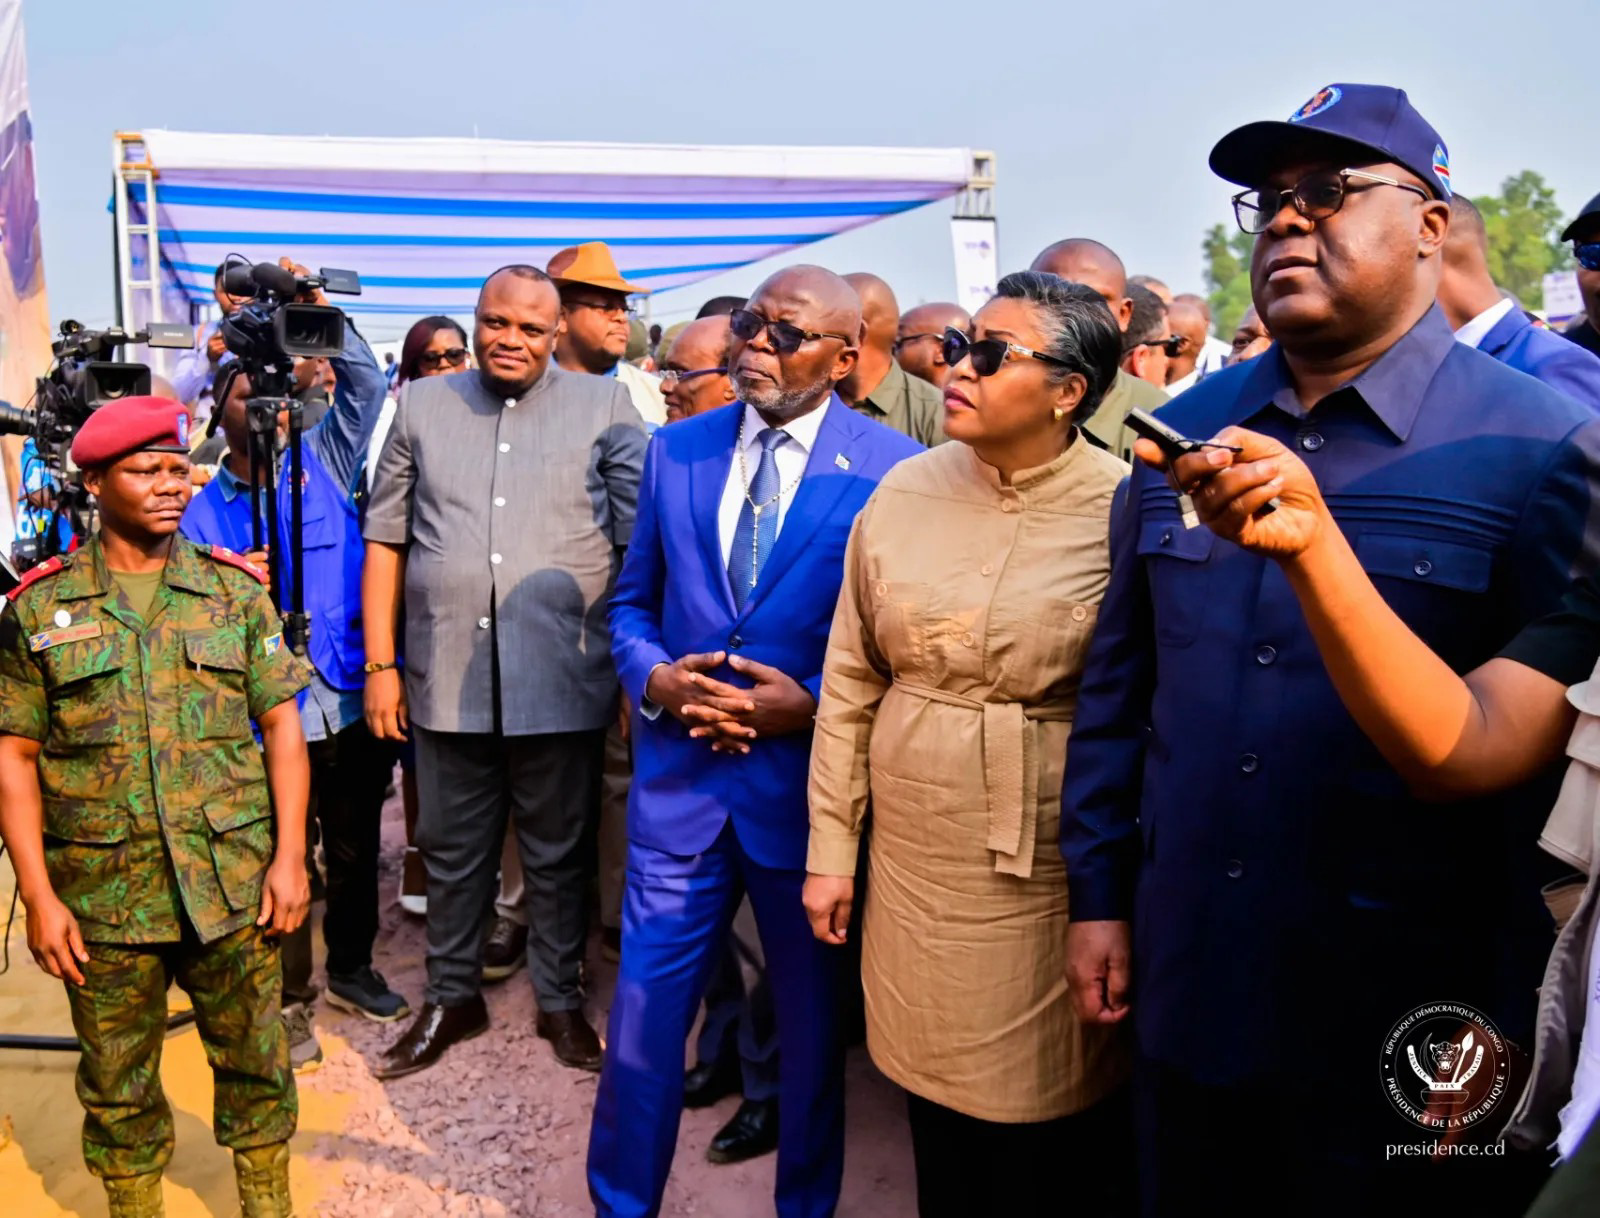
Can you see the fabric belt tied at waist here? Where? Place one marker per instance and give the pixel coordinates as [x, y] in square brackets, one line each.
[1010, 771]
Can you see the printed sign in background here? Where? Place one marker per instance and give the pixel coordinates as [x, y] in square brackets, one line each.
[24, 314]
[1562, 301]
[977, 261]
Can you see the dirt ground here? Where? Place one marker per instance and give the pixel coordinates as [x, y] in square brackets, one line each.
[496, 1128]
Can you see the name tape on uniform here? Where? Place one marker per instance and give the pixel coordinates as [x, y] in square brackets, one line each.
[54, 638]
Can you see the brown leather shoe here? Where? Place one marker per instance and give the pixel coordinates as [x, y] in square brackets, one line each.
[434, 1030]
[574, 1040]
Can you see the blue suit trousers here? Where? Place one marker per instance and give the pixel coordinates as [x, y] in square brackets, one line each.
[675, 919]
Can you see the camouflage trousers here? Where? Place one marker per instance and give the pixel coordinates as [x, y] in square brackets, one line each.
[120, 1013]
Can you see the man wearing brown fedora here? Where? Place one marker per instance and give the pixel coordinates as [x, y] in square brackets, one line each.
[594, 323]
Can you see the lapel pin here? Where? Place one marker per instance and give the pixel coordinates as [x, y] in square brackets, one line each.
[63, 619]
[842, 461]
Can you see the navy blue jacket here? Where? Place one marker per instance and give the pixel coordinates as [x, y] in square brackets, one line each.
[1545, 355]
[1281, 879]
[673, 599]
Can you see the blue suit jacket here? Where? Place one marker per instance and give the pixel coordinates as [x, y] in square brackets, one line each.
[673, 599]
[1545, 355]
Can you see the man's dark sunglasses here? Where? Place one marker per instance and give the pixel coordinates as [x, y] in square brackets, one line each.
[987, 354]
[1588, 255]
[1315, 196]
[451, 356]
[1172, 346]
[786, 339]
[907, 339]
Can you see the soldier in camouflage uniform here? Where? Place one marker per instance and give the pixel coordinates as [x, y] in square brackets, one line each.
[135, 803]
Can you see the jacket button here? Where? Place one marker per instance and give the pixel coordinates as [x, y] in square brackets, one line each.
[1249, 763]
[1166, 538]
[986, 569]
[504, 447]
[1079, 613]
[483, 623]
[967, 640]
[1311, 441]
[1235, 869]
[1008, 506]
[1266, 654]
[495, 559]
[736, 642]
[499, 501]
[1424, 568]
[882, 589]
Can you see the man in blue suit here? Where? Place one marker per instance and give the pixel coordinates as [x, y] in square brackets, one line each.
[719, 624]
[1484, 318]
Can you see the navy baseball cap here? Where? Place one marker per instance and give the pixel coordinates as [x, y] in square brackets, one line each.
[1366, 123]
[1589, 217]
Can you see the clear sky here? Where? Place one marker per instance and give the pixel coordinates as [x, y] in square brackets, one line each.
[1101, 116]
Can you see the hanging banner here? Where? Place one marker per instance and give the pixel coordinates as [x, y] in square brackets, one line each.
[977, 261]
[1562, 300]
[24, 314]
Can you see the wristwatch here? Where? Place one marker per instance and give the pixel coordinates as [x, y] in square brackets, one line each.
[372, 666]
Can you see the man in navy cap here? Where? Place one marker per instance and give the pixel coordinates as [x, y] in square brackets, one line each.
[1584, 233]
[1485, 318]
[1291, 901]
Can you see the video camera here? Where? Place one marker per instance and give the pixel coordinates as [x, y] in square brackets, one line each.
[82, 378]
[268, 333]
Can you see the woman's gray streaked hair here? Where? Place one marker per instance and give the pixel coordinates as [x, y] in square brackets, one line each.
[1078, 330]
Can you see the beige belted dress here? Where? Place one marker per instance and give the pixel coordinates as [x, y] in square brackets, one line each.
[947, 697]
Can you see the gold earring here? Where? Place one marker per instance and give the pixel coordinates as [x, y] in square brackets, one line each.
[1058, 414]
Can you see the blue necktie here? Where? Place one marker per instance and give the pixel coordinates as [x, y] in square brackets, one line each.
[756, 531]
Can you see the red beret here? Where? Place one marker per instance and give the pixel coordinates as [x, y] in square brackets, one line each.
[131, 425]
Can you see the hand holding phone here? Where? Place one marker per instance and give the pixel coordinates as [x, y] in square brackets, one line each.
[1174, 444]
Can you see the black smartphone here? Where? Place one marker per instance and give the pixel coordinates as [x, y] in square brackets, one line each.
[1174, 444]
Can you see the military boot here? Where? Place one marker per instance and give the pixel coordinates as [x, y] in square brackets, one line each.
[263, 1175]
[135, 1196]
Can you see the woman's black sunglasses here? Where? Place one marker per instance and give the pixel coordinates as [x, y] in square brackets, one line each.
[785, 338]
[988, 354]
[438, 359]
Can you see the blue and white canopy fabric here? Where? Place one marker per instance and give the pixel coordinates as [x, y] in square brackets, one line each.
[424, 220]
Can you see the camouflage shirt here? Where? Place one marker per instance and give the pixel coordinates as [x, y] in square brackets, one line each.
[155, 793]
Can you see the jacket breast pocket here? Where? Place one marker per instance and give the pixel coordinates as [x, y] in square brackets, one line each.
[1432, 585]
[900, 625]
[1177, 561]
[85, 681]
[216, 705]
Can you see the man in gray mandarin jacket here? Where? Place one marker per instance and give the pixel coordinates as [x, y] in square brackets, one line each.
[504, 501]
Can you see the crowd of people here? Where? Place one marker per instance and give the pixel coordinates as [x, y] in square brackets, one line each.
[851, 667]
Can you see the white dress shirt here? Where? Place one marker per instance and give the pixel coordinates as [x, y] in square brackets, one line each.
[791, 456]
[1475, 331]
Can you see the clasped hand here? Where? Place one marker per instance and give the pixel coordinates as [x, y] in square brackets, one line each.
[727, 717]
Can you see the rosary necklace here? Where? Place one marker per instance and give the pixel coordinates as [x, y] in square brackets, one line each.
[757, 508]
[744, 477]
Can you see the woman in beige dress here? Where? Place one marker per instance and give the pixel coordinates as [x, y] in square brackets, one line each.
[971, 584]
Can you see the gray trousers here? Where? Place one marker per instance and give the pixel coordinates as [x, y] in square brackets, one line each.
[613, 843]
[468, 786]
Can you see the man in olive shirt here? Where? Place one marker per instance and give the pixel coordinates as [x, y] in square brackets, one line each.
[878, 387]
[1096, 266]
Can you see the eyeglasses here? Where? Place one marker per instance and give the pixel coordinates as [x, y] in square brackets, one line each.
[1315, 196]
[907, 339]
[1172, 346]
[1588, 255]
[450, 357]
[601, 306]
[671, 378]
[785, 338]
[988, 353]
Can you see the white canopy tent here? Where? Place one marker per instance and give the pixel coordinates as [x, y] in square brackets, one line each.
[424, 220]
